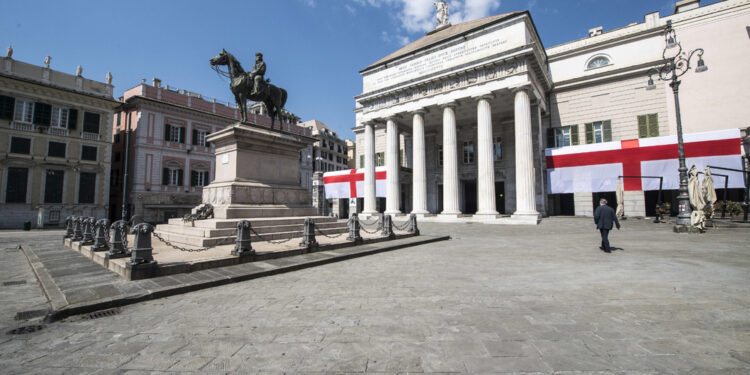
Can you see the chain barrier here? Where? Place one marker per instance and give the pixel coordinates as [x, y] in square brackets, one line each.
[375, 231]
[362, 222]
[276, 242]
[222, 242]
[405, 226]
[326, 235]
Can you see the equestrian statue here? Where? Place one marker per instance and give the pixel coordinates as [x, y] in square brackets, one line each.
[251, 86]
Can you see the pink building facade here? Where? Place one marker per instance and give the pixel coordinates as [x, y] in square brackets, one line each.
[169, 158]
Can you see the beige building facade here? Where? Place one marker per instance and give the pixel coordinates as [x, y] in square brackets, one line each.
[467, 113]
[55, 131]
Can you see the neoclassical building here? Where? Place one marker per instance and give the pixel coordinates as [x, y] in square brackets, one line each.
[476, 117]
[468, 99]
[55, 145]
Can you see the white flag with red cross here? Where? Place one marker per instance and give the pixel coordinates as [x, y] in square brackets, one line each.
[596, 167]
[351, 183]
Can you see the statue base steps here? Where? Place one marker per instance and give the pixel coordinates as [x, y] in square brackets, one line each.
[209, 232]
[240, 211]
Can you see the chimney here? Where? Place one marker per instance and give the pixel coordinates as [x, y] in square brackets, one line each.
[157, 82]
[595, 31]
[685, 5]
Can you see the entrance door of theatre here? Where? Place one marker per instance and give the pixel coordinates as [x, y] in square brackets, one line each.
[500, 196]
[470, 196]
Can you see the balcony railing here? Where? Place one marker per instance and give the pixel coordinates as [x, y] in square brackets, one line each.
[90, 136]
[59, 131]
[23, 126]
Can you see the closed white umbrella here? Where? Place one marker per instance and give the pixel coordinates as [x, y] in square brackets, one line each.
[620, 212]
[696, 199]
[709, 192]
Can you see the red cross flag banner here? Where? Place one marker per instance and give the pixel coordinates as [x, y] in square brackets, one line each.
[596, 167]
[350, 183]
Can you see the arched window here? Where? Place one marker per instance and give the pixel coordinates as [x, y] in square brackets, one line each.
[598, 62]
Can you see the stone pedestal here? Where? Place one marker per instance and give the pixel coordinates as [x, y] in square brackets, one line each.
[319, 194]
[257, 173]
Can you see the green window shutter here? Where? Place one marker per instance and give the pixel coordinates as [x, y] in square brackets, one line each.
[642, 127]
[550, 138]
[607, 130]
[574, 135]
[72, 119]
[194, 138]
[7, 104]
[590, 133]
[165, 176]
[653, 125]
[180, 177]
[193, 178]
[182, 135]
[167, 130]
[42, 114]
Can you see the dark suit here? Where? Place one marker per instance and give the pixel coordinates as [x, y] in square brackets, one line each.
[604, 217]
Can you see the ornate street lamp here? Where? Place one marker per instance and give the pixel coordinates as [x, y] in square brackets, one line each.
[676, 63]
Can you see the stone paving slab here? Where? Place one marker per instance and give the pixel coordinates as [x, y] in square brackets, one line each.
[74, 284]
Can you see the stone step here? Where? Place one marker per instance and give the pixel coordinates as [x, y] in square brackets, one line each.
[189, 241]
[262, 228]
[252, 212]
[256, 222]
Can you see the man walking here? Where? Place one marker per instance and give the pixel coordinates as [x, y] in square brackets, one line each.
[604, 216]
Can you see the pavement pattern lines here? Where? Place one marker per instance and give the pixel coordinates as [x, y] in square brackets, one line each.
[494, 299]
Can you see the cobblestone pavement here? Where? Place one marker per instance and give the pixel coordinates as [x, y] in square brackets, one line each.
[495, 299]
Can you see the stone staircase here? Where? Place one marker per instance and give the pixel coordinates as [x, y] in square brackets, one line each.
[209, 232]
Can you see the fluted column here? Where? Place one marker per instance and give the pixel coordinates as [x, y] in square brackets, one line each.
[393, 187]
[419, 173]
[369, 208]
[525, 196]
[485, 161]
[450, 161]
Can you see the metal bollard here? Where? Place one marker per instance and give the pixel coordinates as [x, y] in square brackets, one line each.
[119, 240]
[413, 226]
[308, 237]
[88, 231]
[100, 241]
[354, 228]
[388, 226]
[142, 252]
[242, 245]
[77, 231]
[68, 227]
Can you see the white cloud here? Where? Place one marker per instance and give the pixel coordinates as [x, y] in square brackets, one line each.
[310, 3]
[417, 16]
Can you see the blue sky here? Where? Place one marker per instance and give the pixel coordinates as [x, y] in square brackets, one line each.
[313, 48]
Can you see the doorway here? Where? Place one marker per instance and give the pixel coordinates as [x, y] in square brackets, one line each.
[500, 196]
[470, 196]
[610, 196]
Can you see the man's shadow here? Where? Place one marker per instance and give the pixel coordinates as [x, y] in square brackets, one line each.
[616, 248]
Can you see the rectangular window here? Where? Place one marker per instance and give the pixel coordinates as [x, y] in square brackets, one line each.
[202, 138]
[440, 155]
[199, 178]
[174, 177]
[24, 111]
[86, 187]
[53, 186]
[91, 122]
[498, 148]
[20, 145]
[379, 159]
[88, 153]
[56, 149]
[59, 117]
[361, 161]
[118, 117]
[468, 152]
[176, 134]
[15, 188]
[7, 103]
[598, 132]
[648, 125]
[563, 136]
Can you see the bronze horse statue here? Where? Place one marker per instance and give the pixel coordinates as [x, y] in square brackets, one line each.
[241, 85]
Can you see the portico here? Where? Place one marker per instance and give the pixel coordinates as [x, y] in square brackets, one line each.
[469, 97]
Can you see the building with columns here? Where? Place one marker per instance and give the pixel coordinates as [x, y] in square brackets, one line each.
[465, 104]
[55, 131]
[468, 113]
